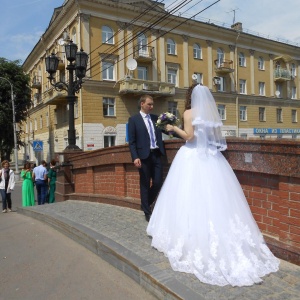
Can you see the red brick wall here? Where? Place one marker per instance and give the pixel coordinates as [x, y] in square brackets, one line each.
[275, 204]
[271, 181]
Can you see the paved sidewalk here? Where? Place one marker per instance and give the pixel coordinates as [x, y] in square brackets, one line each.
[118, 235]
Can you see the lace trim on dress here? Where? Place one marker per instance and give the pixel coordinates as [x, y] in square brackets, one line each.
[234, 258]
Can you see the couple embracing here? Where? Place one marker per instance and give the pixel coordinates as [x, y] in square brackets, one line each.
[201, 220]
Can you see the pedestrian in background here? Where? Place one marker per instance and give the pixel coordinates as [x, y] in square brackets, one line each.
[7, 184]
[27, 186]
[52, 181]
[40, 178]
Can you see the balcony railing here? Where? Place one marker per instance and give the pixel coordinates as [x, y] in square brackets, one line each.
[281, 74]
[144, 53]
[36, 82]
[53, 97]
[138, 86]
[223, 66]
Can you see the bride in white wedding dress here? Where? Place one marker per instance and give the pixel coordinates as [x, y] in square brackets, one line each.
[201, 220]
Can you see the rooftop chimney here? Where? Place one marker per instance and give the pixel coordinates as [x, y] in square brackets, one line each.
[237, 26]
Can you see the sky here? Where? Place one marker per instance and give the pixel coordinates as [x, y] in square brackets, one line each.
[24, 21]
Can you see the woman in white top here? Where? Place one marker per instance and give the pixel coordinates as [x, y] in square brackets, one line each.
[7, 184]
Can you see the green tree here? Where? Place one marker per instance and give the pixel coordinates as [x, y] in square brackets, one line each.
[13, 72]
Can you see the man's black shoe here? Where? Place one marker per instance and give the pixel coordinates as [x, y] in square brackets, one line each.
[147, 217]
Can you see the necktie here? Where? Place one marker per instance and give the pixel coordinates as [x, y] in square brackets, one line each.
[152, 138]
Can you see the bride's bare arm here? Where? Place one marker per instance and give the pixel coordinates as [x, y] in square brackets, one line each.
[188, 132]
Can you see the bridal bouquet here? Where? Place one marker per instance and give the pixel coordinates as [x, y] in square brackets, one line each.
[166, 118]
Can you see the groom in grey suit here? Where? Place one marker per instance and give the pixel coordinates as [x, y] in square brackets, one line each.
[146, 147]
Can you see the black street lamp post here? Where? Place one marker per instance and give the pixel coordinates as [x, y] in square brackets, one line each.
[77, 68]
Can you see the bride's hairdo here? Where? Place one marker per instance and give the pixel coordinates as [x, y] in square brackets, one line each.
[188, 99]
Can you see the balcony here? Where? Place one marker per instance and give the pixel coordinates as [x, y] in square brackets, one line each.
[224, 66]
[144, 53]
[281, 75]
[61, 64]
[139, 86]
[36, 82]
[53, 97]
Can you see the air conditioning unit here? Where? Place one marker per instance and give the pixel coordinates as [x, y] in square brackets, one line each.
[217, 80]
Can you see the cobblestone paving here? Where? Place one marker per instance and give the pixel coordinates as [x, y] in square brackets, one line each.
[127, 227]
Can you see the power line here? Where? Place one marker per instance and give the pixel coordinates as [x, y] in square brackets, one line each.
[138, 32]
[159, 20]
[164, 33]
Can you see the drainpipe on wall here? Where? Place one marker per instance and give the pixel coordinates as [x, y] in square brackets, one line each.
[80, 92]
[236, 86]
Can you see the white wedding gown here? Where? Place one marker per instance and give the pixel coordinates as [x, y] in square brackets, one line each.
[203, 224]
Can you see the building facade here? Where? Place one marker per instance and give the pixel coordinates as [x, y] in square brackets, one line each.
[136, 48]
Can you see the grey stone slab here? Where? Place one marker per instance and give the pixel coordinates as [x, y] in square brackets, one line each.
[119, 236]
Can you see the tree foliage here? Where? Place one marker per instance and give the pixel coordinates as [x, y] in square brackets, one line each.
[14, 75]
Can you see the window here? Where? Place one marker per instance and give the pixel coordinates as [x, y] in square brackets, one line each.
[172, 76]
[107, 71]
[47, 119]
[279, 115]
[278, 90]
[243, 89]
[107, 35]
[64, 112]
[62, 75]
[262, 114]
[221, 86]
[109, 140]
[261, 63]
[197, 51]
[294, 116]
[171, 47]
[76, 109]
[294, 92]
[74, 37]
[242, 59]
[55, 116]
[243, 113]
[220, 57]
[142, 73]
[222, 111]
[172, 108]
[41, 122]
[293, 70]
[199, 77]
[142, 42]
[261, 87]
[108, 106]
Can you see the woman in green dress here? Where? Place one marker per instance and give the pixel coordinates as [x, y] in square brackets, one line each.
[52, 181]
[27, 186]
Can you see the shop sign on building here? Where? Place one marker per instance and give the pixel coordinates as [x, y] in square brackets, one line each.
[276, 130]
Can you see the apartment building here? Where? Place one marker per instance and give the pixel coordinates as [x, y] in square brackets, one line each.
[136, 48]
